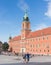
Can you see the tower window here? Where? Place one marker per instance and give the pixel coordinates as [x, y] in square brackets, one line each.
[23, 25]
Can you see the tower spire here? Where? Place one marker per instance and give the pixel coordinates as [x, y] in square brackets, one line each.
[25, 18]
[26, 15]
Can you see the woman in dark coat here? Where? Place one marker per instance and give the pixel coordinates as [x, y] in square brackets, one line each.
[28, 57]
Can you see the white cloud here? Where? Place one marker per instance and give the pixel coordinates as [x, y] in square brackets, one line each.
[23, 5]
[48, 12]
[40, 26]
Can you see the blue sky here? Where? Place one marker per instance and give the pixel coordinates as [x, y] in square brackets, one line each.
[12, 12]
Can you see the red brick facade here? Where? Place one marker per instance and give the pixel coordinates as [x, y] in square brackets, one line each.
[37, 42]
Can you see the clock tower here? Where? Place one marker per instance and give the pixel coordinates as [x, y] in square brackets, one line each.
[25, 26]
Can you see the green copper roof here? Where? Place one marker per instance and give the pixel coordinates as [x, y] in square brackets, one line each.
[25, 15]
[25, 18]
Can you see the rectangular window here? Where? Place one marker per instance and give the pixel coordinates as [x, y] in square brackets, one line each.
[47, 37]
[43, 38]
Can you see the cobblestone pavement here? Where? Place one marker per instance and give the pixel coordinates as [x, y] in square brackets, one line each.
[17, 60]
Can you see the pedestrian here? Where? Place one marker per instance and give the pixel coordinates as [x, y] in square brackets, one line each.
[24, 57]
[27, 57]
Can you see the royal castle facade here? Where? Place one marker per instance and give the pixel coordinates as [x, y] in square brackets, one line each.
[37, 42]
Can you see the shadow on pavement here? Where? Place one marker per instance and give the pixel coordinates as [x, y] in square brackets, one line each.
[30, 63]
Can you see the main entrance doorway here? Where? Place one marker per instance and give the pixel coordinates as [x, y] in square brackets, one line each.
[23, 50]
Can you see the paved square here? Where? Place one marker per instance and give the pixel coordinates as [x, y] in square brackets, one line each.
[18, 60]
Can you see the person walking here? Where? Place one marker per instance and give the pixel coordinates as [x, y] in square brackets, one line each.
[24, 57]
[27, 57]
